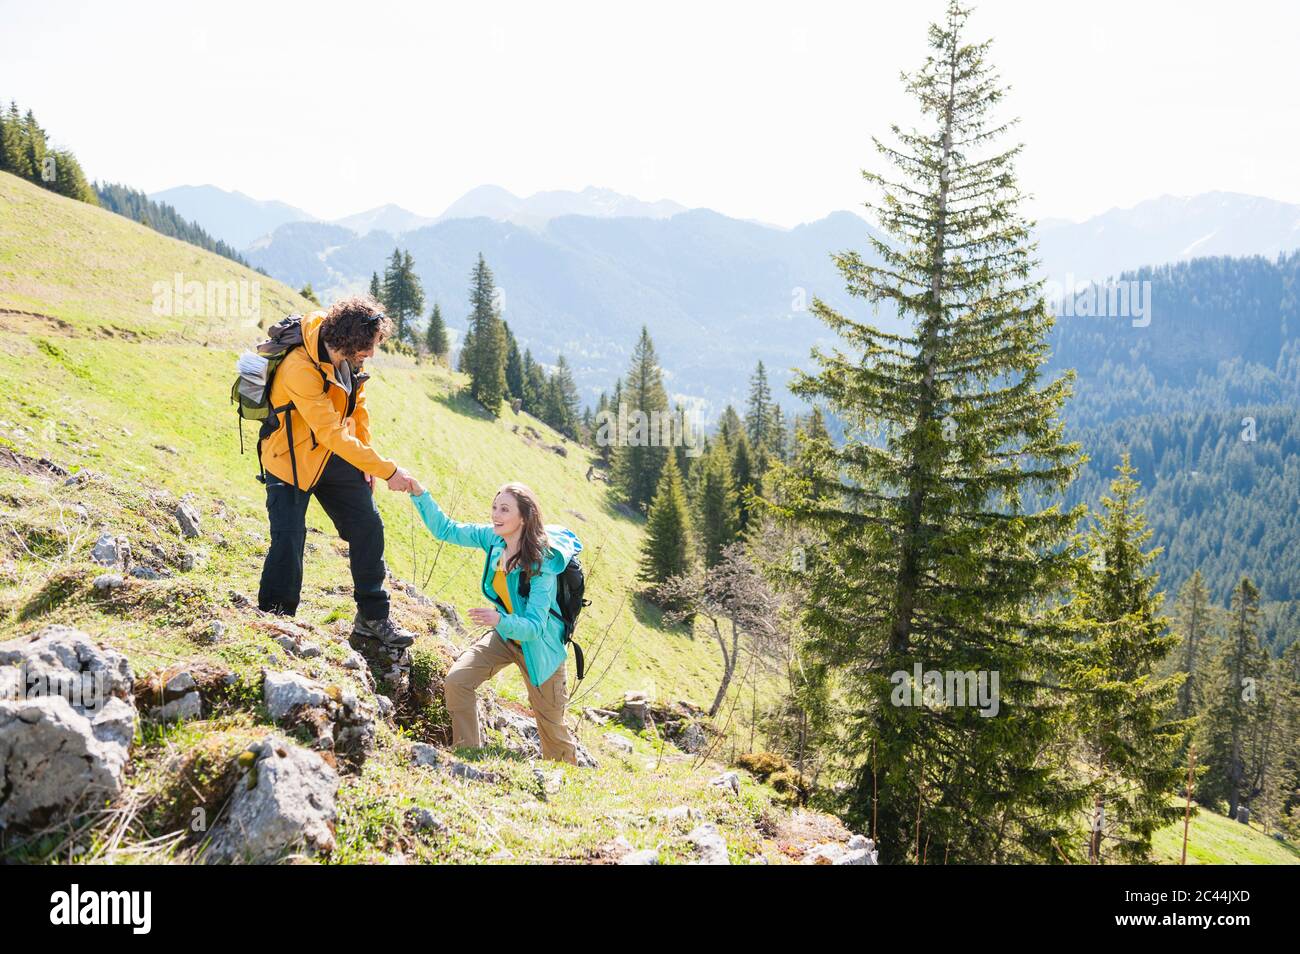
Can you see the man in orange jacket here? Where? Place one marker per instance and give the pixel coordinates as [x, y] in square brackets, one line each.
[320, 446]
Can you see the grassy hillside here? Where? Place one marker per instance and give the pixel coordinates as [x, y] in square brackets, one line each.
[112, 387]
[1215, 839]
[135, 400]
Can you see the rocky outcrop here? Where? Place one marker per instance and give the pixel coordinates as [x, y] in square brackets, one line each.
[710, 848]
[67, 720]
[341, 722]
[283, 802]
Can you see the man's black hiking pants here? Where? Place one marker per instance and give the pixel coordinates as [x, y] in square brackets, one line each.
[347, 500]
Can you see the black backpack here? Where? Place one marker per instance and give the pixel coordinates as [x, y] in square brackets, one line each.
[570, 587]
[252, 397]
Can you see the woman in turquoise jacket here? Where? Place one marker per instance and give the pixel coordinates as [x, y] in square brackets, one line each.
[524, 630]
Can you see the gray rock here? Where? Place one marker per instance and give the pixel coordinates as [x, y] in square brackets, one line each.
[146, 573]
[106, 551]
[54, 759]
[284, 801]
[618, 741]
[424, 754]
[66, 734]
[180, 683]
[421, 819]
[728, 780]
[282, 691]
[647, 856]
[108, 582]
[188, 706]
[690, 738]
[859, 856]
[385, 705]
[858, 842]
[298, 647]
[470, 773]
[636, 711]
[60, 660]
[341, 721]
[710, 848]
[188, 518]
[215, 632]
[827, 854]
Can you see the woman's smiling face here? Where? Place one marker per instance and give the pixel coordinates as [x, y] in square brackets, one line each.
[506, 519]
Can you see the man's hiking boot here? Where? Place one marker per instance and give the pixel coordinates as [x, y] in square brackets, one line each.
[383, 630]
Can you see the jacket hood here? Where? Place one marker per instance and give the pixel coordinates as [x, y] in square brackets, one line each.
[564, 546]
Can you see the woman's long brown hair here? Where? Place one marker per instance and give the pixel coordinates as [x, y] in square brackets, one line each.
[533, 542]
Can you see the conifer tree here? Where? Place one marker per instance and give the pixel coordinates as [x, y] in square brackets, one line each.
[639, 456]
[402, 296]
[777, 438]
[758, 418]
[938, 551]
[485, 347]
[534, 384]
[730, 426]
[718, 517]
[514, 365]
[1228, 720]
[744, 480]
[435, 335]
[562, 402]
[666, 552]
[607, 433]
[1192, 613]
[376, 289]
[1130, 741]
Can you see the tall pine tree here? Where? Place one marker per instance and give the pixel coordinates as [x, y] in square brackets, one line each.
[666, 552]
[937, 553]
[485, 347]
[435, 335]
[758, 418]
[1130, 741]
[640, 454]
[1228, 720]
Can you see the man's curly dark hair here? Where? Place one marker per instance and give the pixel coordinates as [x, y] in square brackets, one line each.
[350, 325]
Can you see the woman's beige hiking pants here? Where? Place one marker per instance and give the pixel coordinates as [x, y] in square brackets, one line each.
[483, 660]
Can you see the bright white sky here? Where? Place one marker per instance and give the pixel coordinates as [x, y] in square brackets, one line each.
[757, 110]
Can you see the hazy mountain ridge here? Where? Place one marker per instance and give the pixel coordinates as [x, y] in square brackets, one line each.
[233, 217]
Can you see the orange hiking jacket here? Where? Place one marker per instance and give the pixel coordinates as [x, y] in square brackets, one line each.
[323, 420]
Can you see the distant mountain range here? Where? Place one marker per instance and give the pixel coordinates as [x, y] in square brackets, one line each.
[233, 217]
[241, 220]
[1167, 230]
[717, 293]
[582, 271]
[493, 202]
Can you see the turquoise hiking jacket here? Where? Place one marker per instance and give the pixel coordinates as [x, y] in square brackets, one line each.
[539, 632]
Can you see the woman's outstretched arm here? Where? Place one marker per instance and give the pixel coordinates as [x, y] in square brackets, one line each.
[479, 535]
